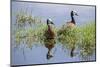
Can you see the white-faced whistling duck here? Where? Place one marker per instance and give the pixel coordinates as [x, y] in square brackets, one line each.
[72, 23]
[49, 38]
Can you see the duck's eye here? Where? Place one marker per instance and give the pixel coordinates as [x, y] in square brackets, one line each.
[76, 14]
[52, 23]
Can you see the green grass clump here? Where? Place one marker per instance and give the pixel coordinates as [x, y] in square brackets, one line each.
[19, 35]
[82, 37]
[68, 37]
[87, 44]
[30, 35]
[29, 29]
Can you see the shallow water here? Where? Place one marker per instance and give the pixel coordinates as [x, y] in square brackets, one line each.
[37, 55]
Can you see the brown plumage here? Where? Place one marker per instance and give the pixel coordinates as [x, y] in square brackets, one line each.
[49, 38]
[49, 33]
[72, 23]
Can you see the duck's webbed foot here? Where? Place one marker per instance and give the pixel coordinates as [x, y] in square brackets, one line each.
[72, 54]
[49, 56]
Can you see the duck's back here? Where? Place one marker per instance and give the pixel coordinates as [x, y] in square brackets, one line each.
[70, 24]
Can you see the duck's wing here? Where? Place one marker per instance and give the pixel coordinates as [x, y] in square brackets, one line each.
[50, 34]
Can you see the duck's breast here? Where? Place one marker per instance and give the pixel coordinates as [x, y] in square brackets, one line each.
[70, 24]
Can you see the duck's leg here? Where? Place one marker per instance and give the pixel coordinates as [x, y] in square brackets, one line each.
[49, 54]
[72, 52]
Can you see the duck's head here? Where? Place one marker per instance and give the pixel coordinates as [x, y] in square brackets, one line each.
[74, 13]
[49, 22]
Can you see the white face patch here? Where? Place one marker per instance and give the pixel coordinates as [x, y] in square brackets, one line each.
[49, 19]
[75, 12]
[51, 25]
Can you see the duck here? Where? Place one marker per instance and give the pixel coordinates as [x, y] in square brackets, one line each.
[72, 23]
[49, 40]
[50, 34]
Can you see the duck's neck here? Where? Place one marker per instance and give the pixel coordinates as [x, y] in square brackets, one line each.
[72, 19]
[49, 28]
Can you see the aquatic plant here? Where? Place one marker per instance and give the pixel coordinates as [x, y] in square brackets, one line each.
[69, 38]
[82, 37]
[87, 45]
[23, 18]
[28, 29]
